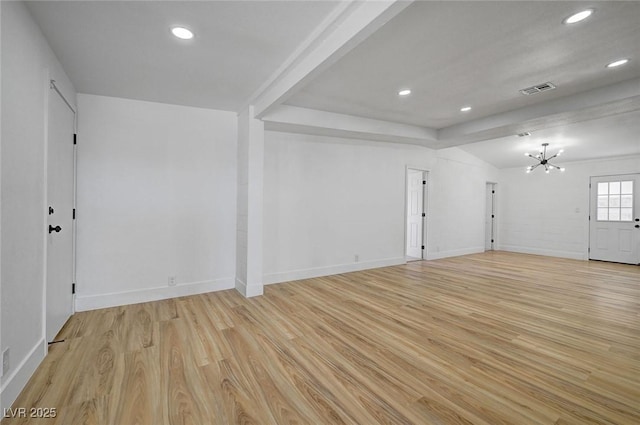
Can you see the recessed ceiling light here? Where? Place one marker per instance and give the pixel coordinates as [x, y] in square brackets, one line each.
[404, 92]
[465, 109]
[182, 33]
[577, 17]
[617, 63]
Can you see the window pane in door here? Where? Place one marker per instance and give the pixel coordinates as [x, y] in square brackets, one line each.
[603, 213]
[614, 214]
[603, 201]
[614, 188]
[614, 200]
[603, 188]
[626, 214]
[627, 187]
[625, 201]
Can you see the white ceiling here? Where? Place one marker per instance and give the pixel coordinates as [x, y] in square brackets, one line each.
[125, 48]
[449, 53]
[477, 53]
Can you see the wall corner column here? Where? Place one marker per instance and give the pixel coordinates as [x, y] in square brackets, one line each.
[249, 277]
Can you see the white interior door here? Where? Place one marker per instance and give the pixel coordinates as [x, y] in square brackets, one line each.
[489, 222]
[415, 213]
[60, 183]
[614, 228]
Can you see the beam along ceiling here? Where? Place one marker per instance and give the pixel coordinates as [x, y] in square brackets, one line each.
[125, 48]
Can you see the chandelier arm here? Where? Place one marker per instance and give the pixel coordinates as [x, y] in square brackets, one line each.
[533, 167]
[553, 165]
[551, 157]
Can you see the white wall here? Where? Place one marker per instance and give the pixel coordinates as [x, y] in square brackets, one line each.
[457, 204]
[548, 214]
[327, 200]
[156, 198]
[27, 65]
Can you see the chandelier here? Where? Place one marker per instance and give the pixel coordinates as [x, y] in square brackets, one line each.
[543, 160]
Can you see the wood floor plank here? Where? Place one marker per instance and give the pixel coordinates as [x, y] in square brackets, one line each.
[483, 339]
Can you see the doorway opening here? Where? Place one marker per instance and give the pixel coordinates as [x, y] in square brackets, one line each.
[416, 215]
[490, 218]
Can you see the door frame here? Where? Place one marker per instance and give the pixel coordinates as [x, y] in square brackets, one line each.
[425, 209]
[49, 90]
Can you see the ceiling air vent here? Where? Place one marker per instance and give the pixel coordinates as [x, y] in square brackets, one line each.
[538, 88]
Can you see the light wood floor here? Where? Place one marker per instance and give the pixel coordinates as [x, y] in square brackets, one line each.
[494, 338]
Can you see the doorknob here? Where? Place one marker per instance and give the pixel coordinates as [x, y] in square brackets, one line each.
[54, 229]
[637, 226]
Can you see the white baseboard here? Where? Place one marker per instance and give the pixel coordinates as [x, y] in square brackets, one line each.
[93, 302]
[248, 291]
[546, 252]
[330, 270]
[241, 287]
[16, 381]
[454, 253]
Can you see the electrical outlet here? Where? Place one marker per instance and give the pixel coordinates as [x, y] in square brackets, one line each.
[172, 281]
[5, 362]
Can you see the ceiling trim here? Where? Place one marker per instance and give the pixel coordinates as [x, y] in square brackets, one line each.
[350, 24]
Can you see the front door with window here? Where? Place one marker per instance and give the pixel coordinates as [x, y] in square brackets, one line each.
[614, 233]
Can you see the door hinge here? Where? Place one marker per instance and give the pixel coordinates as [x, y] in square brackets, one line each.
[589, 249]
[424, 182]
[493, 216]
[74, 214]
[493, 191]
[424, 214]
[491, 240]
[73, 288]
[422, 247]
[75, 139]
